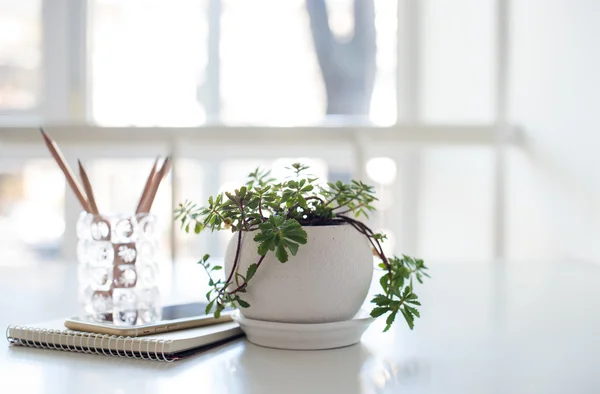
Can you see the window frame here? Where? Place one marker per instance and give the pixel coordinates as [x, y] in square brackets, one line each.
[65, 85]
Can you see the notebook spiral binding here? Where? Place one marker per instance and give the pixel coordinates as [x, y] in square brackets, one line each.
[83, 342]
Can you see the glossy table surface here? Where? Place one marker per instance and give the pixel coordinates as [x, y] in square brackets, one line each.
[486, 328]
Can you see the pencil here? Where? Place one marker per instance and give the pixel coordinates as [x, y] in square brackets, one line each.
[147, 186]
[64, 166]
[156, 180]
[88, 189]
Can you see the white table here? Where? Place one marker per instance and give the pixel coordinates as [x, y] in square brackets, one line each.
[515, 328]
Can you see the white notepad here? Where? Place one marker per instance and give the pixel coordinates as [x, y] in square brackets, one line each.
[169, 346]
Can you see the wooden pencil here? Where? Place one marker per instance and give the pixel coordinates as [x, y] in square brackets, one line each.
[144, 194]
[88, 189]
[64, 166]
[156, 180]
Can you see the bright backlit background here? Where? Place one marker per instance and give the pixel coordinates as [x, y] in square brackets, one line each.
[449, 78]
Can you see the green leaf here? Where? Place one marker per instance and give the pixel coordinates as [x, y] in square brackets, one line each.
[385, 279]
[281, 253]
[211, 282]
[296, 236]
[208, 295]
[398, 282]
[379, 236]
[205, 257]
[408, 317]
[265, 228]
[376, 312]
[251, 271]
[395, 304]
[198, 228]
[293, 247]
[301, 201]
[217, 313]
[242, 303]
[209, 306]
[390, 319]
[412, 310]
[216, 268]
[380, 299]
[263, 248]
[232, 198]
[253, 204]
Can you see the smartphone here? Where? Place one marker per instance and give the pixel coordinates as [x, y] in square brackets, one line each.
[174, 317]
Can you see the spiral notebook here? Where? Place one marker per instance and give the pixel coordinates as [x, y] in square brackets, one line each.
[168, 347]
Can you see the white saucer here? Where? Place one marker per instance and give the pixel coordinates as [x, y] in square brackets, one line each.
[294, 336]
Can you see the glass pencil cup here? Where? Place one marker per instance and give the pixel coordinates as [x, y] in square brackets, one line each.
[118, 267]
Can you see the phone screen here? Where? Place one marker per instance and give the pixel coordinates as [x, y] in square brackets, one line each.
[187, 316]
[172, 312]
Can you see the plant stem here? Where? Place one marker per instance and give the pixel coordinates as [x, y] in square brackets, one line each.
[363, 228]
[217, 213]
[235, 261]
[243, 221]
[333, 198]
[260, 212]
[246, 282]
[376, 247]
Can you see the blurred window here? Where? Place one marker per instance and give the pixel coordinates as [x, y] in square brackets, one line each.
[20, 54]
[260, 62]
[272, 73]
[265, 62]
[151, 62]
[455, 210]
[148, 60]
[458, 61]
[31, 210]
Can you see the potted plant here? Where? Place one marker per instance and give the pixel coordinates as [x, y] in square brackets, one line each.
[315, 230]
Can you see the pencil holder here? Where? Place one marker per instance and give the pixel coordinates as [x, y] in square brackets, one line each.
[118, 267]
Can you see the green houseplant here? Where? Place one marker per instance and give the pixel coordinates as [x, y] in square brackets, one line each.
[277, 216]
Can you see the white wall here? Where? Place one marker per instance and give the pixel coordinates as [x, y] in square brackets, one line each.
[555, 97]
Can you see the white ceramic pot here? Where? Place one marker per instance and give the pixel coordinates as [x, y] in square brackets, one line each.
[327, 280]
